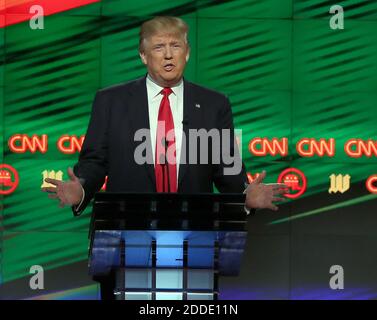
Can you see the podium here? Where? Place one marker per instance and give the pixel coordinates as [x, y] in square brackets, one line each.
[167, 246]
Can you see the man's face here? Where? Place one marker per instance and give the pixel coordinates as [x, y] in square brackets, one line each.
[165, 56]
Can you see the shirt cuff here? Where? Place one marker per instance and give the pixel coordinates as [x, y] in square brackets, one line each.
[77, 207]
[247, 210]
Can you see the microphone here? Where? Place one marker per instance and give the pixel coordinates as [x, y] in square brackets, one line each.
[165, 161]
[162, 163]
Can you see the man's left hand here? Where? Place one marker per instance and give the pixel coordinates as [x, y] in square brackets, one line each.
[263, 196]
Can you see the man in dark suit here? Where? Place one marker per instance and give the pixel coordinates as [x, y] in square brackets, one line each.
[169, 108]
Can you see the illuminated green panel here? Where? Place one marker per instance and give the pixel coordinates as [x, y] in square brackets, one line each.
[47, 249]
[120, 57]
[51, 110]
[253, 69]
[249, 9]
[2, 55]
[244, 54]
[28, 208]
[341, 60]
[65, 53]
[353, 9]
[273, 169]
[263, 114]
[341, 116]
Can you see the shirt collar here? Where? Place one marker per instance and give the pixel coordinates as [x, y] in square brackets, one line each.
[155, 89]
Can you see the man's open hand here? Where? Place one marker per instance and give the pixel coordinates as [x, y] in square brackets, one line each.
[263, 196]
[67, 192]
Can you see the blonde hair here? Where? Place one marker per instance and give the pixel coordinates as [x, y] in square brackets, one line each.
[167, 24]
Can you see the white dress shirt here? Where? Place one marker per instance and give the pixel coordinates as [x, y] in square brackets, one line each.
[176, 105]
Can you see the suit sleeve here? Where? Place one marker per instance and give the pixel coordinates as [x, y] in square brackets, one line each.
[92, 166]
[230, 175]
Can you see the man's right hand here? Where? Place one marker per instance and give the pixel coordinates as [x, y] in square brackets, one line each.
[67, 192]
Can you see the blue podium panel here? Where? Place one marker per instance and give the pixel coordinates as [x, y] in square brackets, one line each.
[232, 246]
[169, 296]
[106, 249]
[169, 279]
[199, 296]
[166, 265]
[138, 296]
[104, 252]
[138, 278]
[200, 279]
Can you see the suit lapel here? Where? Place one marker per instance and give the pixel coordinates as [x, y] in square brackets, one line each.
[139, 117]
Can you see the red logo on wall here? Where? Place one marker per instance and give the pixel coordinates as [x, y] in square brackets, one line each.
[8, 179]
[371, 184]
[252, 177]
[21, 143]
[295, 180]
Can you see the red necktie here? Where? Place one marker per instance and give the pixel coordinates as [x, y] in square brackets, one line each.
[165, 157]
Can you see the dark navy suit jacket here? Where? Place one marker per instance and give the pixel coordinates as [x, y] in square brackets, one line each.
[108, 149]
